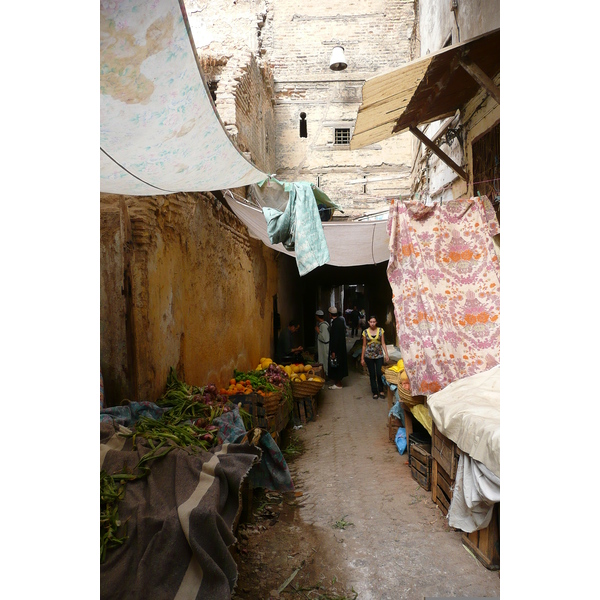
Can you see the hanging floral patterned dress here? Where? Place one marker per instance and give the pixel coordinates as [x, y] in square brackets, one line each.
[445, 279]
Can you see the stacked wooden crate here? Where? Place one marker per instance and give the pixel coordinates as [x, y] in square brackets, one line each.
[305, 409]
[485, 543]
[420, 464]
[253, 404]
[444, 455]
[393, 424]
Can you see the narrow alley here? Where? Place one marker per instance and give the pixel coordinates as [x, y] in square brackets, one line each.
[360, 522]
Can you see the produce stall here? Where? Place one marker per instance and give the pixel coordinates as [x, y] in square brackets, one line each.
[467, 414]
[306, 385]
[172, 475]
[456, 453]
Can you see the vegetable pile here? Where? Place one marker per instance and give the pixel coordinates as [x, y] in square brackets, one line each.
[187, 424]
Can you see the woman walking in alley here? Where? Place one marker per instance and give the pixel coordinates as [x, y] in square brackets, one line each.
[338, 357]
[374, 350]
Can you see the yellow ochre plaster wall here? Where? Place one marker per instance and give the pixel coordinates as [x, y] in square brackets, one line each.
[202, 294]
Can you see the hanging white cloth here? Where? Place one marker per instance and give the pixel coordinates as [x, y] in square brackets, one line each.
[476, 490]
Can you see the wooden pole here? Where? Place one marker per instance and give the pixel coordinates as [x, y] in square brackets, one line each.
[437, 151]
[481, 78]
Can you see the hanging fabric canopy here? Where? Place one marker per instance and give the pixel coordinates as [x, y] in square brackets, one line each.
[159, 131]
[350, 243]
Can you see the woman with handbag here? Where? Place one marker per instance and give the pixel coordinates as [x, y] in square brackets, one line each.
[374, 350]
[338, 356]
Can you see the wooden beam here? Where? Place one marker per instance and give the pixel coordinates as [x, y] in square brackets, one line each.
[439, 153]
[481, 78]
[377, 178]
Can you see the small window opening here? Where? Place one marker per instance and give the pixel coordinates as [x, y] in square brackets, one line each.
[303, 125]
[342, 136]
[212, 88]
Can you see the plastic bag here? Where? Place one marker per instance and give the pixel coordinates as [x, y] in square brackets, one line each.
[401, 440]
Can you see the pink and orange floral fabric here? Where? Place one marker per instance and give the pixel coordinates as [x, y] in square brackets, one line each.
[445, 279]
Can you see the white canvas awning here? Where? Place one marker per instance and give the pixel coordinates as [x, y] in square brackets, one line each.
[159, 130]
[350, 243]
[161, 134]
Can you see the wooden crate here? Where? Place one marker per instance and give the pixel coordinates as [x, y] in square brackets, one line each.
[310, 408]
[418, 438]
[485, 543]
[278, 421]
[445, 452]
[420, 464]
[305, 409]
[441, 486]
[393, 424]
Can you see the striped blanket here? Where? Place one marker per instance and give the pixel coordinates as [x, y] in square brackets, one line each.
[178, 521]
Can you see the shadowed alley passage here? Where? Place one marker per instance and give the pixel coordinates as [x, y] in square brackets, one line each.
[398, 544]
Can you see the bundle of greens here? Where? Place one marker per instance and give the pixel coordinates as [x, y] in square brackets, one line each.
[188, 424]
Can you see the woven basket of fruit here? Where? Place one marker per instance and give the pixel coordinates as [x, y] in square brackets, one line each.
[306, 384]
[301, 389]
[406, 398]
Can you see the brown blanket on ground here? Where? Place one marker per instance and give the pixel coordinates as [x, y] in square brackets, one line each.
[179, 521]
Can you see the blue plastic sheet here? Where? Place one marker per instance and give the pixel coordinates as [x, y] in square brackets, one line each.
[401, 440]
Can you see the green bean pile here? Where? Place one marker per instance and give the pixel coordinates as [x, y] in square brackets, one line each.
[187, 424]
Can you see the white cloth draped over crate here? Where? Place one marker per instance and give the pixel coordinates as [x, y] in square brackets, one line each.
[467, 412]
[476, 490]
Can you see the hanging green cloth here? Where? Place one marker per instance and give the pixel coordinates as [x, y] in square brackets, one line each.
[298, 227]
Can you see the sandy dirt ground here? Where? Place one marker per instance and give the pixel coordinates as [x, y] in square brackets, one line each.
[358, 525]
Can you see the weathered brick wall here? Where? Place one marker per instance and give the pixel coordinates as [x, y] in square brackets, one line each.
[258, 51]
[299, 39]
[255, 118]
[201, 290]
[228, 41]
